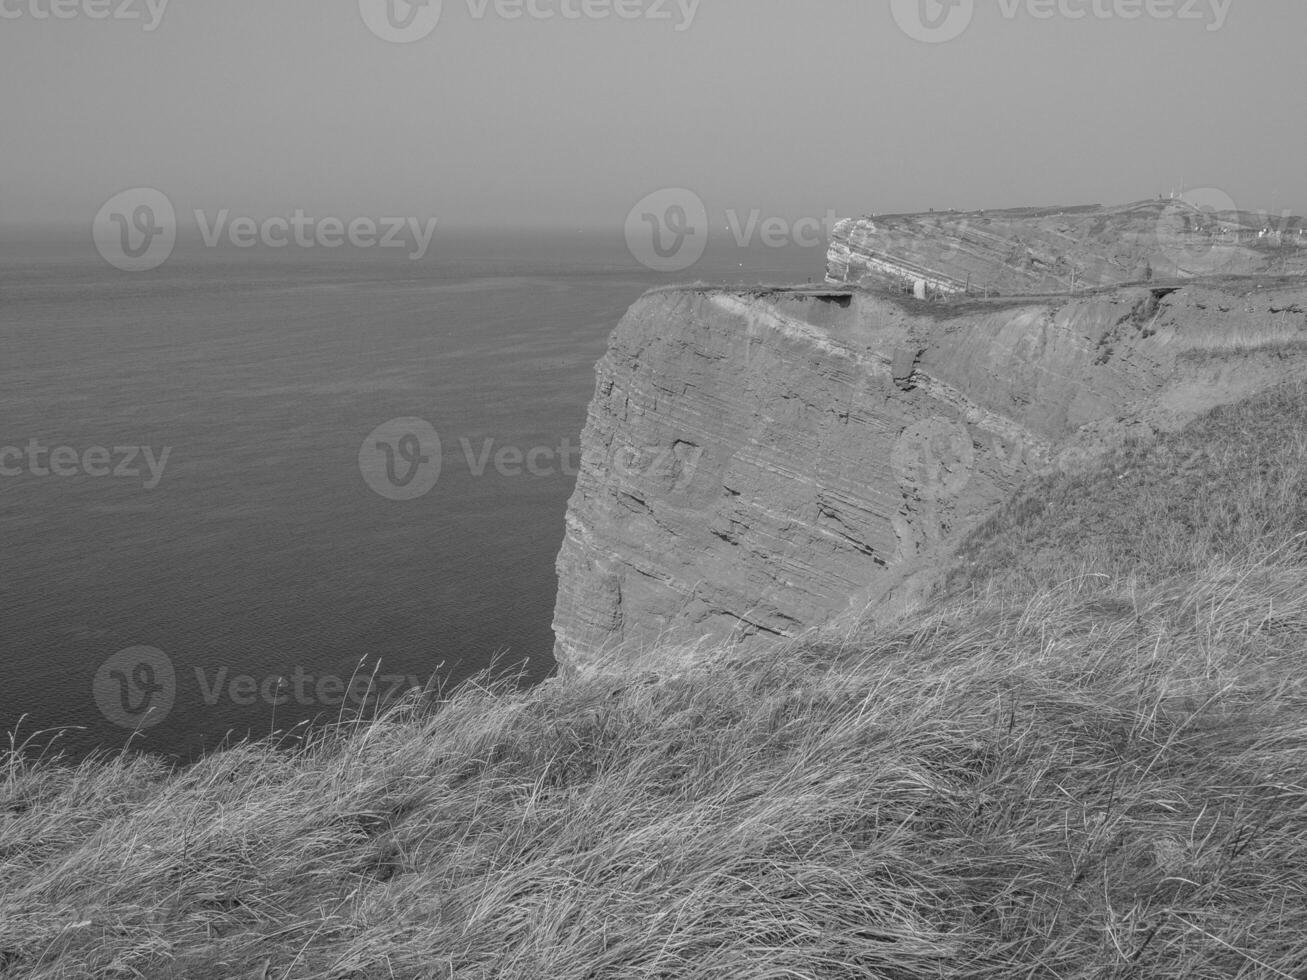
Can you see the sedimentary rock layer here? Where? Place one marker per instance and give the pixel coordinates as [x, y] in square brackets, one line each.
[1059, 250]
[759, 462]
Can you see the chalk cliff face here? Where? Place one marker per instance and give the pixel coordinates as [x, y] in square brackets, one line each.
[759, 462]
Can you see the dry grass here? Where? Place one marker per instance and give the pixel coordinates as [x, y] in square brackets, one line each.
[1282, 334]
[1230, 487]
[1097, 774]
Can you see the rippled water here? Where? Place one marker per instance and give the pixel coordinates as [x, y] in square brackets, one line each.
[255, 550]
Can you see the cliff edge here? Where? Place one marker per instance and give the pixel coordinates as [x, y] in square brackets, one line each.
[758, 462]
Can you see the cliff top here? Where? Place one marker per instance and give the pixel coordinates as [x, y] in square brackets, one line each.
[1056, 250]
[1148, 210]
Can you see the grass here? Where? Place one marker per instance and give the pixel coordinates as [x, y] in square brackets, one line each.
[1086, 761]
[1232, 486]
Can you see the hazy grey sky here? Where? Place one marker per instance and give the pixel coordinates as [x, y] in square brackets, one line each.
[790, 107]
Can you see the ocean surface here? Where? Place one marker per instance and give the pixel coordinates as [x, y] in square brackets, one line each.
[192, 545]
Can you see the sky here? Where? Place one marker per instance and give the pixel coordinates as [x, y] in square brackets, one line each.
[561, 113]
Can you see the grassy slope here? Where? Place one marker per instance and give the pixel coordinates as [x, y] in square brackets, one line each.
[1231, 486]
[1088, 762]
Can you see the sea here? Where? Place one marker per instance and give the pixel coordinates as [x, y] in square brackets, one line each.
[252, 492]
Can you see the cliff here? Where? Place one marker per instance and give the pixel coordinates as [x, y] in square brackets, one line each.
[1058, 250]
[756, 462]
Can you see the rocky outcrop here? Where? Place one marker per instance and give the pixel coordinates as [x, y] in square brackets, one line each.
[759, 462]
[1061, 250]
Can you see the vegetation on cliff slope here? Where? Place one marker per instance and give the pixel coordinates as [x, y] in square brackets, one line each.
[1088, 762]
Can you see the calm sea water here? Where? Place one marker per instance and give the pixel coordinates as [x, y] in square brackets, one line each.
[255, 558]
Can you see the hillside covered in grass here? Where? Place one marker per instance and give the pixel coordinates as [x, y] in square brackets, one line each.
[1089, 759]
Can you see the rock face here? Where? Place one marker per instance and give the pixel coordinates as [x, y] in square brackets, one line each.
[1059, 250]
[758, 462]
